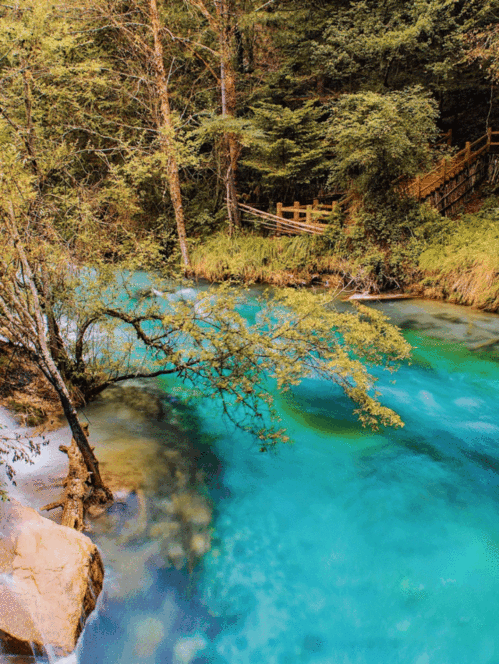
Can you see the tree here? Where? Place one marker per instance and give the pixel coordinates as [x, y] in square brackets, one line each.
[137, 54]
[483, 47]
[204, 340]
[379, 139]
[288, 151]
[23, 306]
[220, 18]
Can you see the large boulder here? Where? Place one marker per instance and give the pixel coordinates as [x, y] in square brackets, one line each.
[50, 578]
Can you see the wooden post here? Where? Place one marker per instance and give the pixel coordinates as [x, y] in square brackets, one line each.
[468, 152]
[418, 182]
[296, 213]
[449, 137]
[316, 203]
[308, 213]
[279, 214]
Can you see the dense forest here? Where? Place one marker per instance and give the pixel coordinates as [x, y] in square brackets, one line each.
[131, 132]
[134, 118]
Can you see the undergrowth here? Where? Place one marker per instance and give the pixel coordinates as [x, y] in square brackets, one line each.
[414, 249]
[461, 262]
[252, 258]
[370, 252]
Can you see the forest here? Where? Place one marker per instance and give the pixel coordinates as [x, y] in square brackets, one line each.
[137, 140]
[139, 121]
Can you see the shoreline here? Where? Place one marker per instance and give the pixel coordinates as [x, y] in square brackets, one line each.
[50, 466]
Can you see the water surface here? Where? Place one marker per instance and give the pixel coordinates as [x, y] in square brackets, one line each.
[349, 547]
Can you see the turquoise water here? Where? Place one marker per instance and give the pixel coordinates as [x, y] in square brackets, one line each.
[348, 547]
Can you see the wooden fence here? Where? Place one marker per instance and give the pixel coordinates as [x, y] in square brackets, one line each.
[454, 178]
[308, 214]
[303, 221]
[444, 187]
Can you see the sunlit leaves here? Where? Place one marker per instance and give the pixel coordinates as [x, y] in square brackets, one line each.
[381, 137]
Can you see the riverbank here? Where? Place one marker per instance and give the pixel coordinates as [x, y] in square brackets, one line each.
[25, 392]
[41, 482]
[452, 260]
[162, 513]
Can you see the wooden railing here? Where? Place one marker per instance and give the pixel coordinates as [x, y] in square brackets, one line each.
[299, 223]
[444, 138]
[306, 213]
[444, 186]
[449, 169]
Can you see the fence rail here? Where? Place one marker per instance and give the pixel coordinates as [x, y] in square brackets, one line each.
[444, 187]
[423, 187]
[281, 224]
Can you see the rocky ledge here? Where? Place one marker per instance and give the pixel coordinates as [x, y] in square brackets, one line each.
[50, 579]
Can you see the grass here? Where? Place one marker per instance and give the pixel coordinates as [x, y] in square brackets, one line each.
[250, 258]
[302, 260]
[462, 264]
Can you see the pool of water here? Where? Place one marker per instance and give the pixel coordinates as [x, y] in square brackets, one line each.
[348, 547]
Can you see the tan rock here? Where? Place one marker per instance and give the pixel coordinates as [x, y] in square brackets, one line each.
[50, 578]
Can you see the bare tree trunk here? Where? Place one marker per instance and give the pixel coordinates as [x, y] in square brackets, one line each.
[34, 311]
[228, 96]
[167, 134]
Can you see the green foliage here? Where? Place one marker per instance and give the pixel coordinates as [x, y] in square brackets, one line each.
[248, 257]
[379, 139]
[371, 251]
[288, 151]
[397, 43]
[208, 343]
[460, 263]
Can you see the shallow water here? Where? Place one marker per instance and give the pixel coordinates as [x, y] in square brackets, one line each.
[349, 547]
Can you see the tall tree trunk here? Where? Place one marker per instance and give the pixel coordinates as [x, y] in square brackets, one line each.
[46, 363]
[167, 134]
[229, 101]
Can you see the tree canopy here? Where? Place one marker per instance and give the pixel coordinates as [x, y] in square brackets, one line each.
[130, 130]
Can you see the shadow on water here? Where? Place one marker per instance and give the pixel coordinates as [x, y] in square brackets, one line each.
[149, 610]
[326, 410]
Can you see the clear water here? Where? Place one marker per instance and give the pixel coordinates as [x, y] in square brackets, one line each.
[348, 547]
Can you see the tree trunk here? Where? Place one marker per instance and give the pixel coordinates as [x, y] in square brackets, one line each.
[101, 493]
[52, 373]
[231, 145]
[167, 137]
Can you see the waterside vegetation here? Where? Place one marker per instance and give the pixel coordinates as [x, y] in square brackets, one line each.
[129, 132]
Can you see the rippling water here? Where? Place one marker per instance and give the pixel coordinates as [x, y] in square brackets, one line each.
[348, 547]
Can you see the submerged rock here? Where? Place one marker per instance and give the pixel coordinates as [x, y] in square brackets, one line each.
[149, 456]
[50, 579]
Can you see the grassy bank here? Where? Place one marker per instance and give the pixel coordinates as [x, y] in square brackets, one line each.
[448, 259]
[301, 260]
[251, 258]
[461, 263]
